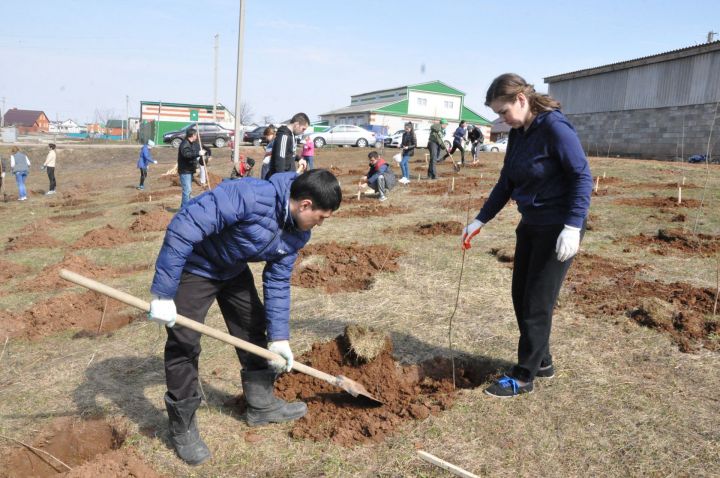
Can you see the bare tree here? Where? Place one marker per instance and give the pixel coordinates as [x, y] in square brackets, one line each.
[267, 119]
[246, 114]
[103, 115]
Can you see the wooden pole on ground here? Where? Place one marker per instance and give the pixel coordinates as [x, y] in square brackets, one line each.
[597, 184]
[679, 194]
[452, 187]
[454, 469]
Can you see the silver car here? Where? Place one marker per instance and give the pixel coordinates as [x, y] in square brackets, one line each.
[343, 134]
[498, 146]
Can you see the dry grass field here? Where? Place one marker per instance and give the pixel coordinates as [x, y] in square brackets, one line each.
[636, 340]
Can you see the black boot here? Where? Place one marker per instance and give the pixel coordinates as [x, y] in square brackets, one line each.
[262, 405]
[184, 434]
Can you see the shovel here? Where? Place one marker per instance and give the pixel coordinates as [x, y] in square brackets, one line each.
[350, 386]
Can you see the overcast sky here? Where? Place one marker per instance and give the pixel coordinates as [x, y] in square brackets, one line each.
[70, 58]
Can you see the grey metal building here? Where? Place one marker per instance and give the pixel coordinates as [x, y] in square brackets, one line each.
[660, 106]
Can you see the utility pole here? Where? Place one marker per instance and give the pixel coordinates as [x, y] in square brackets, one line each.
[711, 36]
[215, 79]
[238, 82]
[127, 115]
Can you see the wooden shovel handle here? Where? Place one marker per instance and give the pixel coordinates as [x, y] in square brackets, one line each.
[133, 301]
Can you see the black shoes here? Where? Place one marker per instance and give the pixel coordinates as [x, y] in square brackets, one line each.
[508, 387]
[547, 371]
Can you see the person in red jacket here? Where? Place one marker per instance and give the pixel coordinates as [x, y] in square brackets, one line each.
[379, 176]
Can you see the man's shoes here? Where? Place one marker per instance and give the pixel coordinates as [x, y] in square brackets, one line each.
[404, 180]
[24, 198]
[140, 188]
[383, 198]
[545, 372]
[508, 387]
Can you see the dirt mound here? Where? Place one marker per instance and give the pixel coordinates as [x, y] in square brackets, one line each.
[668, 241]
[371, 209]
[151, 221]
[444, 186]
[656, 202]
[40, 225]
[49, 279]
[342, 268]
[32, 241]
[149, 196]
[82, 312]
[9, 270]
[408, 393]
[76, 217]
[106, 236]
[70, 201]
[432, 229]
[601, 286]
[89, 448]
[503, 255]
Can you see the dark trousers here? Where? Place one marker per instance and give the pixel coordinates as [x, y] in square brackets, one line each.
[434, 159]
[51, 177]
[143, 175]
[536, 281]
[455, 147]
[244, 316]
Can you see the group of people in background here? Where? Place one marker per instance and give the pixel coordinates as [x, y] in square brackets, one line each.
[18, 164]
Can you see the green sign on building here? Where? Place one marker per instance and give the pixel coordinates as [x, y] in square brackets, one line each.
[193, 115]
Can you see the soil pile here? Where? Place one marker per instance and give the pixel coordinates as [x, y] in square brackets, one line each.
[503, 254]
[600, 286]
[83, 312]
[657, 202]
[474, 203]
[432, 229]
[71, 200]
[49, 278]
[342, 268]
[149, 196]
[90, 448]
[31, 241]
[151, 221]
[371, 209]
[408, 393]
[668, 241]
[106, 236]
[9, 270]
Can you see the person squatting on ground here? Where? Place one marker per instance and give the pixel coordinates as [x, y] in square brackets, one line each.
[283, 152]
[408, 145]
[204, 258]
[458, 139]
[476, 140]
[546, 173]
[188, 156]
[144, 161]
[49, 166]
[20, 167]
[243, 167]
[436, 143]
[269, 135]
[308, 153]
[380, 176]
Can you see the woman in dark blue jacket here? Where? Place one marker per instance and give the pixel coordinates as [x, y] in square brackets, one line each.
[547, 174]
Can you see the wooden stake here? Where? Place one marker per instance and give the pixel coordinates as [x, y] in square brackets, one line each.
[597, 183]
[679, 195]
[452, 187]
[454, 469]
[8, 338]
[102, 317]
[683, 181]
[603, 174]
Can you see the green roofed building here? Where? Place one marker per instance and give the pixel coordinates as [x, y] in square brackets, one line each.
[422, 104]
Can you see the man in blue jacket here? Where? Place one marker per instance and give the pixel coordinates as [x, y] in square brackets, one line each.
[204, 257]
[144, 161]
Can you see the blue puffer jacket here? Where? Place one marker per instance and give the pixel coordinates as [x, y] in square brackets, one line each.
[145, 157]
[220, 231]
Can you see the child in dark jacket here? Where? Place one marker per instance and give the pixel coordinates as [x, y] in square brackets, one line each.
[379, 176]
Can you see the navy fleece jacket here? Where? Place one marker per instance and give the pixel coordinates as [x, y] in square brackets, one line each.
[546, 172]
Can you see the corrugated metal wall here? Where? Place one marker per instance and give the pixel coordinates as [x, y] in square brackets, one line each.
[681, 82]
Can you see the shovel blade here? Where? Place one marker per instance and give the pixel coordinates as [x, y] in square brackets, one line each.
[354, 388]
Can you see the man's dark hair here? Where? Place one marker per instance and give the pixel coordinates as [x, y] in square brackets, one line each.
[301, 118]
[373, 155]
[462, 122]
[320, 186]
[190, 132]
[51, 145]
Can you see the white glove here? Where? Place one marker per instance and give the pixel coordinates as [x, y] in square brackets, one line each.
[202, 152]
[162, 311]
[2, 175]
[568, 243]
[470, 231]
[154, 162]
[282, 348]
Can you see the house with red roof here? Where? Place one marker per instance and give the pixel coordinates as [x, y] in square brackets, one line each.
[27, 121]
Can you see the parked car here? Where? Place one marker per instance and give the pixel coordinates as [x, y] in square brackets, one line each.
[210, 133]
[255, 136]
[422, 135]
[345, 134]
[498, 146]
[387, 140]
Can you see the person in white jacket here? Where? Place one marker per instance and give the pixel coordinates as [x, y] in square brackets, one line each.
[49, 166]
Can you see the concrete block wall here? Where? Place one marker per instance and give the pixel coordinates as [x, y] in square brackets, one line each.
[650, 133]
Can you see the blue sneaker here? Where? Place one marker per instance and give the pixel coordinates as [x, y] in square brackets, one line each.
[508, 387]
[140, 188]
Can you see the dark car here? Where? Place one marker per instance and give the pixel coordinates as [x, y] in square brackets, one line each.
[210, 133]
[255, 136]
